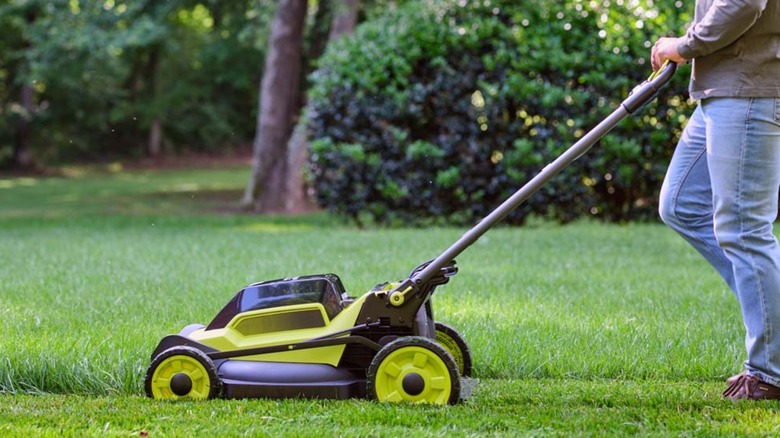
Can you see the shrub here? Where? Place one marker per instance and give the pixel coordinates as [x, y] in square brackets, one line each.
[438, 112]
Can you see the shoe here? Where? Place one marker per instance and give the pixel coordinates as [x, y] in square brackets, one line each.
[747, 387]
[731, 380]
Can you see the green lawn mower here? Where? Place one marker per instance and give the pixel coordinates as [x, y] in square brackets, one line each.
[305, 337]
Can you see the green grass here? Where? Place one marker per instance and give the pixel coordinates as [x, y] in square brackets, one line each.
[586, 329]
[527, 407]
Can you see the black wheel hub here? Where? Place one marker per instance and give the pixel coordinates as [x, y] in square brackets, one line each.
[181, 384]
[413, 384]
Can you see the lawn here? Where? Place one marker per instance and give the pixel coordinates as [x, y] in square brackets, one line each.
[585, 329]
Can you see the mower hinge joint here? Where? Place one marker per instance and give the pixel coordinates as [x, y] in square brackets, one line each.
[397, 296]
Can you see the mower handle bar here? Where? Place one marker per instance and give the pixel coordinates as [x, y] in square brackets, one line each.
[638, 98]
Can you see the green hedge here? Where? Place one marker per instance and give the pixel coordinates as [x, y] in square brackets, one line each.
[437, 113]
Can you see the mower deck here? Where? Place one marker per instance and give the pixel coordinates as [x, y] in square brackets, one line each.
[250, 379]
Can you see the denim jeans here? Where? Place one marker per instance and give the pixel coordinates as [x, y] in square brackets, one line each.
[721, 194]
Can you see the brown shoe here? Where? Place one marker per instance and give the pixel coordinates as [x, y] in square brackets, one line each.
[733, 379]
[751, 388]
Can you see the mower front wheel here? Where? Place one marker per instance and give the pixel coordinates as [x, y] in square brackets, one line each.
[182, 372]
[413, 369]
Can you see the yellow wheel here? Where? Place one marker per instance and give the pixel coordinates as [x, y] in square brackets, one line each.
[453, 342]
[182, 372]
[416, 370]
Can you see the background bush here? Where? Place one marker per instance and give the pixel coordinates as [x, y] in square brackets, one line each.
[439, 112]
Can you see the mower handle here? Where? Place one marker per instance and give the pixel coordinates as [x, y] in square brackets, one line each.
[639, 97]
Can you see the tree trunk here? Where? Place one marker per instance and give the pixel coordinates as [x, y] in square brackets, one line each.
[154, 147]
[297, 196]
[22, 155]
[344, 20]
[279, 105]
[152, 68]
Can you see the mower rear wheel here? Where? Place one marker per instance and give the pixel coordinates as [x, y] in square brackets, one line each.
[182, 372]
[413, 369]
[452, 341]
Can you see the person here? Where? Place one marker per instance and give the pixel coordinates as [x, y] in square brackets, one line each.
[721, 188]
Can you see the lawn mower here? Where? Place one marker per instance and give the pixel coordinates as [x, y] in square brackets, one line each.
[305, 337]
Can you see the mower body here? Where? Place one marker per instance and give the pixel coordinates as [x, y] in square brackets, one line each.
[304, 337]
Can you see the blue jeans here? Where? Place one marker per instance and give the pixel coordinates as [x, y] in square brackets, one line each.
[721, 194]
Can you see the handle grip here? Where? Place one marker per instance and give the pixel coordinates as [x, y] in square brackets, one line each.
[648, 90]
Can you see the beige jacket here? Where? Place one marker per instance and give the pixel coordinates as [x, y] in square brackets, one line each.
[735, 48]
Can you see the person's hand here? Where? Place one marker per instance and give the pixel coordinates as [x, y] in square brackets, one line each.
[665, 48]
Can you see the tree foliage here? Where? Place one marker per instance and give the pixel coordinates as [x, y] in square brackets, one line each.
[440, 111]
[103, 71]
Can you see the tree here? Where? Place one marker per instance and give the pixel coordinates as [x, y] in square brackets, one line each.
[17, 94]
[277, 183]
[344, 19]
[188, 80]
[184, 61]
[345, 15]
[98, 80]
[22, 151]
[279, 94]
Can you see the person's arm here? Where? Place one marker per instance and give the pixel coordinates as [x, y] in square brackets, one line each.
[722, 24]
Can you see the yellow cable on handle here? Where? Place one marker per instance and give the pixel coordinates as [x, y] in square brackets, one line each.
[658, 72]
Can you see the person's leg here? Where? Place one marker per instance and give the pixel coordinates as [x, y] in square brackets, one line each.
[743, 156]
[686, 197]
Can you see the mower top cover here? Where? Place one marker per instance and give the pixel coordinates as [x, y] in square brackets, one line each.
[325, 289]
